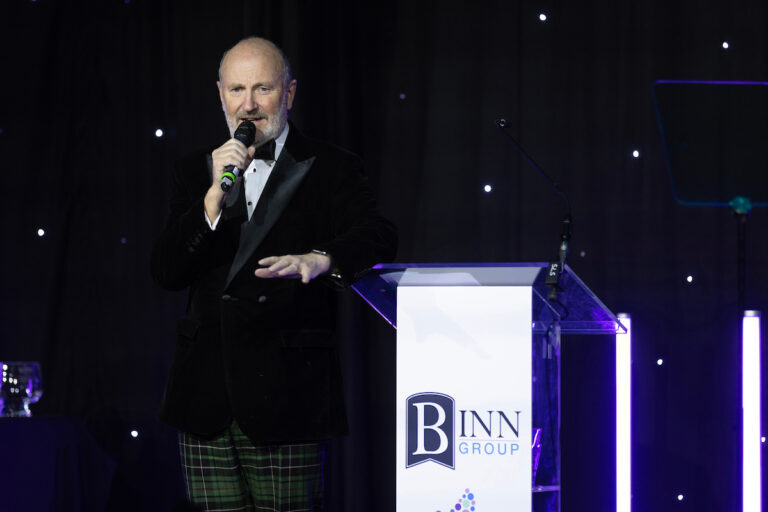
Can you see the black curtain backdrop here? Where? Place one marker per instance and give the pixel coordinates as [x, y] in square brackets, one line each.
[415, 88]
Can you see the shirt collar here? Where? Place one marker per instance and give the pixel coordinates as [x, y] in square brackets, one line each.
[261, 164]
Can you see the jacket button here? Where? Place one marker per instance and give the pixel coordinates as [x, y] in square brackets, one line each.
[262, 298]
[226, 297]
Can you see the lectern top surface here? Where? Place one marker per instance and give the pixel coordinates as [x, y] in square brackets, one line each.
[576, 310]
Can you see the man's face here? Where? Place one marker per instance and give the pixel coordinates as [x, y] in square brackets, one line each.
[252, 88]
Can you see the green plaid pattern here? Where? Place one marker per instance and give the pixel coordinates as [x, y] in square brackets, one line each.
[229, 473]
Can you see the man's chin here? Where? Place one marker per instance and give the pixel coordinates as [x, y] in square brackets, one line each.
[260, 139]
[232, 125]
[263, 136]
[269, 132]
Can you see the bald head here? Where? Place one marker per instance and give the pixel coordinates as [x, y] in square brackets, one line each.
[255, 85]
[258, 45]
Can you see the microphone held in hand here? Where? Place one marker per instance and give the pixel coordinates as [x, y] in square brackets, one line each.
[245, 133]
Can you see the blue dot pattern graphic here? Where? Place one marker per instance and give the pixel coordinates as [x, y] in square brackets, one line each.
[466, 503]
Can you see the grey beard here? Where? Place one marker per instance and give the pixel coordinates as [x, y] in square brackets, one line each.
[275, 126]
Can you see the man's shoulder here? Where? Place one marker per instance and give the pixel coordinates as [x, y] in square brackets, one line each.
[306, 146]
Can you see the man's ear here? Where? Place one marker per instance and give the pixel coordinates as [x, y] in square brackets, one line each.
[291, 93]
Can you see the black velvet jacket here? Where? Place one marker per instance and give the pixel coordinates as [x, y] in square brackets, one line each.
[262, 351]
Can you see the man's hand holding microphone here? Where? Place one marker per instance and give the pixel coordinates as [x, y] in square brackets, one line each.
[229, 162]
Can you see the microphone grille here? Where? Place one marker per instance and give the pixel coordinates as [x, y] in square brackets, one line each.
[246, 133]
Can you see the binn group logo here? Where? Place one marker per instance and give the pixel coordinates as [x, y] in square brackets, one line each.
[432, 432]
[429, 433]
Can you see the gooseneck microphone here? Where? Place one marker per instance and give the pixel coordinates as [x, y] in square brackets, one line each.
[556, 268]
[245, 133]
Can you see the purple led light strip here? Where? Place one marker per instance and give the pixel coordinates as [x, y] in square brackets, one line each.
[750, 403]
[624, 416]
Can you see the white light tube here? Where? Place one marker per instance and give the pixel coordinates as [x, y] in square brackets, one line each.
[624, 416]
[750, 406]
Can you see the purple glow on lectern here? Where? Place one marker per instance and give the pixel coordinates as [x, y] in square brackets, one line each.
[750, 403]
[624, 416]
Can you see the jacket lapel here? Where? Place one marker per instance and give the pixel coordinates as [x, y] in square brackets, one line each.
[283, 181]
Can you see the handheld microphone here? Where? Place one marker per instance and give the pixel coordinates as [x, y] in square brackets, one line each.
[245, 133]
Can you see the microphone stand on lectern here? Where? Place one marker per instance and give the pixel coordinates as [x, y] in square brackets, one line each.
[556, 268]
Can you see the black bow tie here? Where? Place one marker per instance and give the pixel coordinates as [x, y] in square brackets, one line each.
[266, 151]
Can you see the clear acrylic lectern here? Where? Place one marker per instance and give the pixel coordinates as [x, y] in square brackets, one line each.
[478, 380]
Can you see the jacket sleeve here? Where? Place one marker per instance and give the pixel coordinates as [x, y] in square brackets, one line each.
[362, 236]
[182, 252]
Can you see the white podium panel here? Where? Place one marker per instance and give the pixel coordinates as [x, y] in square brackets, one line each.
[464, 398]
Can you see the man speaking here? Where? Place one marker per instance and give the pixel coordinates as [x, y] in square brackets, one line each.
[262, 230]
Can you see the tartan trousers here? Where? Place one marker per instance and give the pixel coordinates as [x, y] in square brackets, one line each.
[229, 473]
